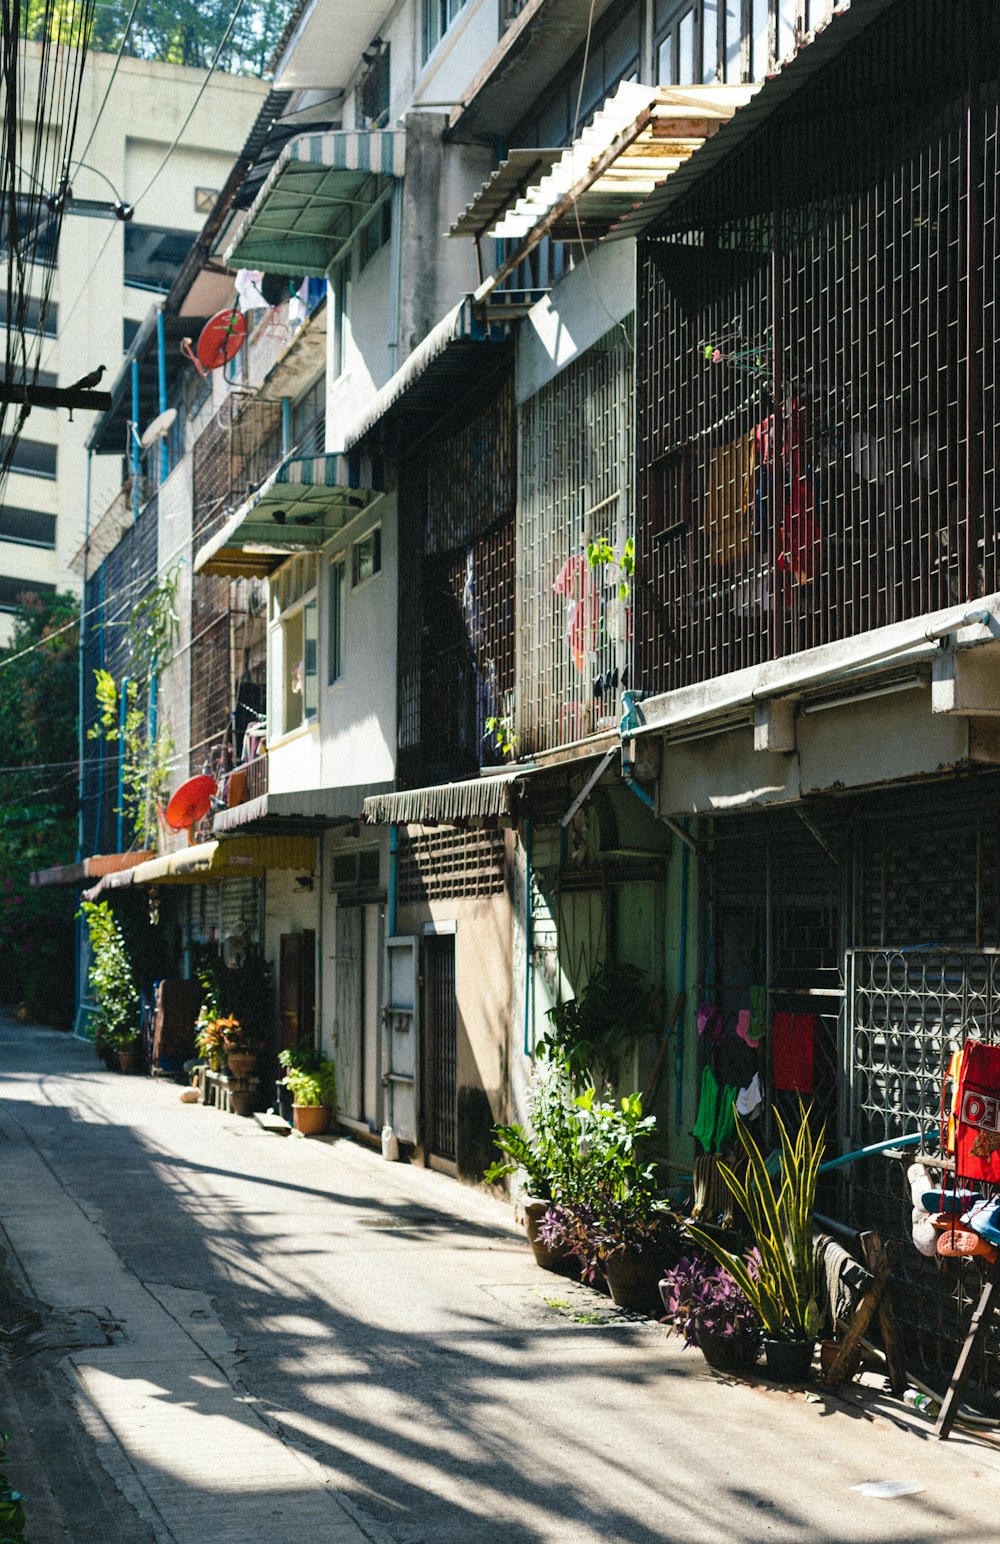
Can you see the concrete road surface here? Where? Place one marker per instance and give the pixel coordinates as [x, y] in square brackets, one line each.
[212, 1334]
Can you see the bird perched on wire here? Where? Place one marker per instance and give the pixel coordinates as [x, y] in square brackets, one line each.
[87, 382]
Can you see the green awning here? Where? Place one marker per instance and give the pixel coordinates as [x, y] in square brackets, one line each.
[304, 503]
[320, 191]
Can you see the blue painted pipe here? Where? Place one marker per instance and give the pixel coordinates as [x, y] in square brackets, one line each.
[161, 377]
[527, 937]
[122, 713]
[876, 1147]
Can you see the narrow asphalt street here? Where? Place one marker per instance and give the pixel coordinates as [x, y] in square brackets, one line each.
[212, 1334]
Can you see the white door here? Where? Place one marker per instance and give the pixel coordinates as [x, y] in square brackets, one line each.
[402, 1028]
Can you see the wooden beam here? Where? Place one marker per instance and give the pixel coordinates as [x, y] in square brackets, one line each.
[54, 396]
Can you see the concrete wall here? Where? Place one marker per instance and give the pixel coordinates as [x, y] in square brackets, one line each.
[174, 515]
[575, 315]
[147, 105]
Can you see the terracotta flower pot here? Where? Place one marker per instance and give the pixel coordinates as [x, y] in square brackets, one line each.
[311, 1119]
[129, 1060]
[241, 1063]
[555, 1259]
[633, 1282]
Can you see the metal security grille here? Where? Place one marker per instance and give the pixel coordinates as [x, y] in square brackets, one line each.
[228, 664]
[441, 1044]
[451, 865]
[575, 476]
[233, 454]
[817, 362]
[126, 576]
[456, 618]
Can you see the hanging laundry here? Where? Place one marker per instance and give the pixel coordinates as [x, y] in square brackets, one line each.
[725, 1120]
[977, 1123]
[248, 290]
[750, 1099]
[298, 305]
[708, 1020]
[575, 581]
[708, 1109]
[758, 1013]
[792, 1036]
[727, 517]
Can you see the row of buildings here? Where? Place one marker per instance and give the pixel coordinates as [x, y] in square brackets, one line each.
[589, 554]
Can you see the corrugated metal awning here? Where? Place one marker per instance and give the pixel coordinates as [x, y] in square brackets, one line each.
[94, 867]
[478, 798]
[427, 377]
[641, 136]
[245, 857]
[309, 808]
[321, 190]
[502, 188]
[305, 502]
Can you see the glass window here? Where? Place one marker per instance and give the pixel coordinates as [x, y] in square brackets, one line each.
[438, 17]
[366, 556]
[32, 458]
[30, 318]
[153, 256]
[310, 657]
[15, 592]
[709, 40]
[32, 233]
[29, 526]
[294, 645]
[760, 19]
[341, 305]
[335, 620]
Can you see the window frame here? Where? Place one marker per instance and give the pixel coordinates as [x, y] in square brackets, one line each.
[292, 601]
[336, 616]
[374, 535]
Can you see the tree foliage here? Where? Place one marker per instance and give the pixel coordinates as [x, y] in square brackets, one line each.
[177, 31]
[38, 803]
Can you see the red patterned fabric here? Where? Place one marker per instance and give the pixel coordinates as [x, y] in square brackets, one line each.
[977, 1121]
[792, 1036]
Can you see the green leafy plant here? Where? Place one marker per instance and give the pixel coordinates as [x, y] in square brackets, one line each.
[313, 1086]
[11, 1503]
[611, 1015]
[601, 553]
[549, 1152]
[500, 732]
[780, 1279]
[112, 979]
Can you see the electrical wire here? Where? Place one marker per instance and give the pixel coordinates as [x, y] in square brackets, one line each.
[77, 160]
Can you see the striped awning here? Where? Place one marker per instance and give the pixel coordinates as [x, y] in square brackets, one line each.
[319, 193]
[305, 502]
[478, 798]
[94, 867]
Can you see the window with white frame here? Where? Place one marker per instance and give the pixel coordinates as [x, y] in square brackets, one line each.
[366, 556]
[341, 286]
[336, 598]
[294, 645]
[437, 18]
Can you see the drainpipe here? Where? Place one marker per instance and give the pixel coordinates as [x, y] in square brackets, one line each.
[135, 446]
[286, 427]
[80, 654]
[527, 935]
[161, 376]
[393, 877]
[122, 714]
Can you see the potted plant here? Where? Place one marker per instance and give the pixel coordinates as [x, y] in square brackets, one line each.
[547, 1157]
[702, 1302]
[314, 1095]
[613, 1221]
[208, 1036]
[300, 1057]
[113, 984]
[240, 1046]
[591, 1032]
[779, 1279]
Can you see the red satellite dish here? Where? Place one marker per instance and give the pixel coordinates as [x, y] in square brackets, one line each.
[222, 337]
[191, 803]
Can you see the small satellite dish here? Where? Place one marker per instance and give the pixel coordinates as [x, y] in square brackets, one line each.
[221, 338]
[190, 803]
[159, 428]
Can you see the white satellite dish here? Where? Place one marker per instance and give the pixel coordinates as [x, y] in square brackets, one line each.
[159, 428]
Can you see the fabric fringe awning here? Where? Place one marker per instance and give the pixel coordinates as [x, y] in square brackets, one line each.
[478, 798]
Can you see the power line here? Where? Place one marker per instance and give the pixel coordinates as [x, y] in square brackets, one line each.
[100, 111]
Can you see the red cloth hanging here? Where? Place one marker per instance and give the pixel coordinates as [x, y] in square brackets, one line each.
[792, 1037]
[977, 1122]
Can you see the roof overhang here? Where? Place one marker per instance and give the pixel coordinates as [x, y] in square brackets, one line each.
[302, 361]
[502, 188]
[519, 69]
[640, 138]
[319, 193]
[110, 434]
[431, 379]
[311, 809]
[304, 503]
[492, 797]
[88, 868]
[322, 43]
[245, 857]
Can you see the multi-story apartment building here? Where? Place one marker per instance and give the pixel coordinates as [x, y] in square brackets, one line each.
[106, 270]
[635, 600]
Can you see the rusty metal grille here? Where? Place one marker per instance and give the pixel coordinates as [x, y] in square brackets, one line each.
[234, 453]
[228, 666]
[451, 865]
[575, 475]
[441, 1045]
[817, 363]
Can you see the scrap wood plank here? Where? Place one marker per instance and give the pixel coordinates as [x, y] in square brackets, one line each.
[981, 1318]
[880, 1262]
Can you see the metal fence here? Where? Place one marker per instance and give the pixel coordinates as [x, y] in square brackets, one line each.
[817, 348]
[575, 620]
